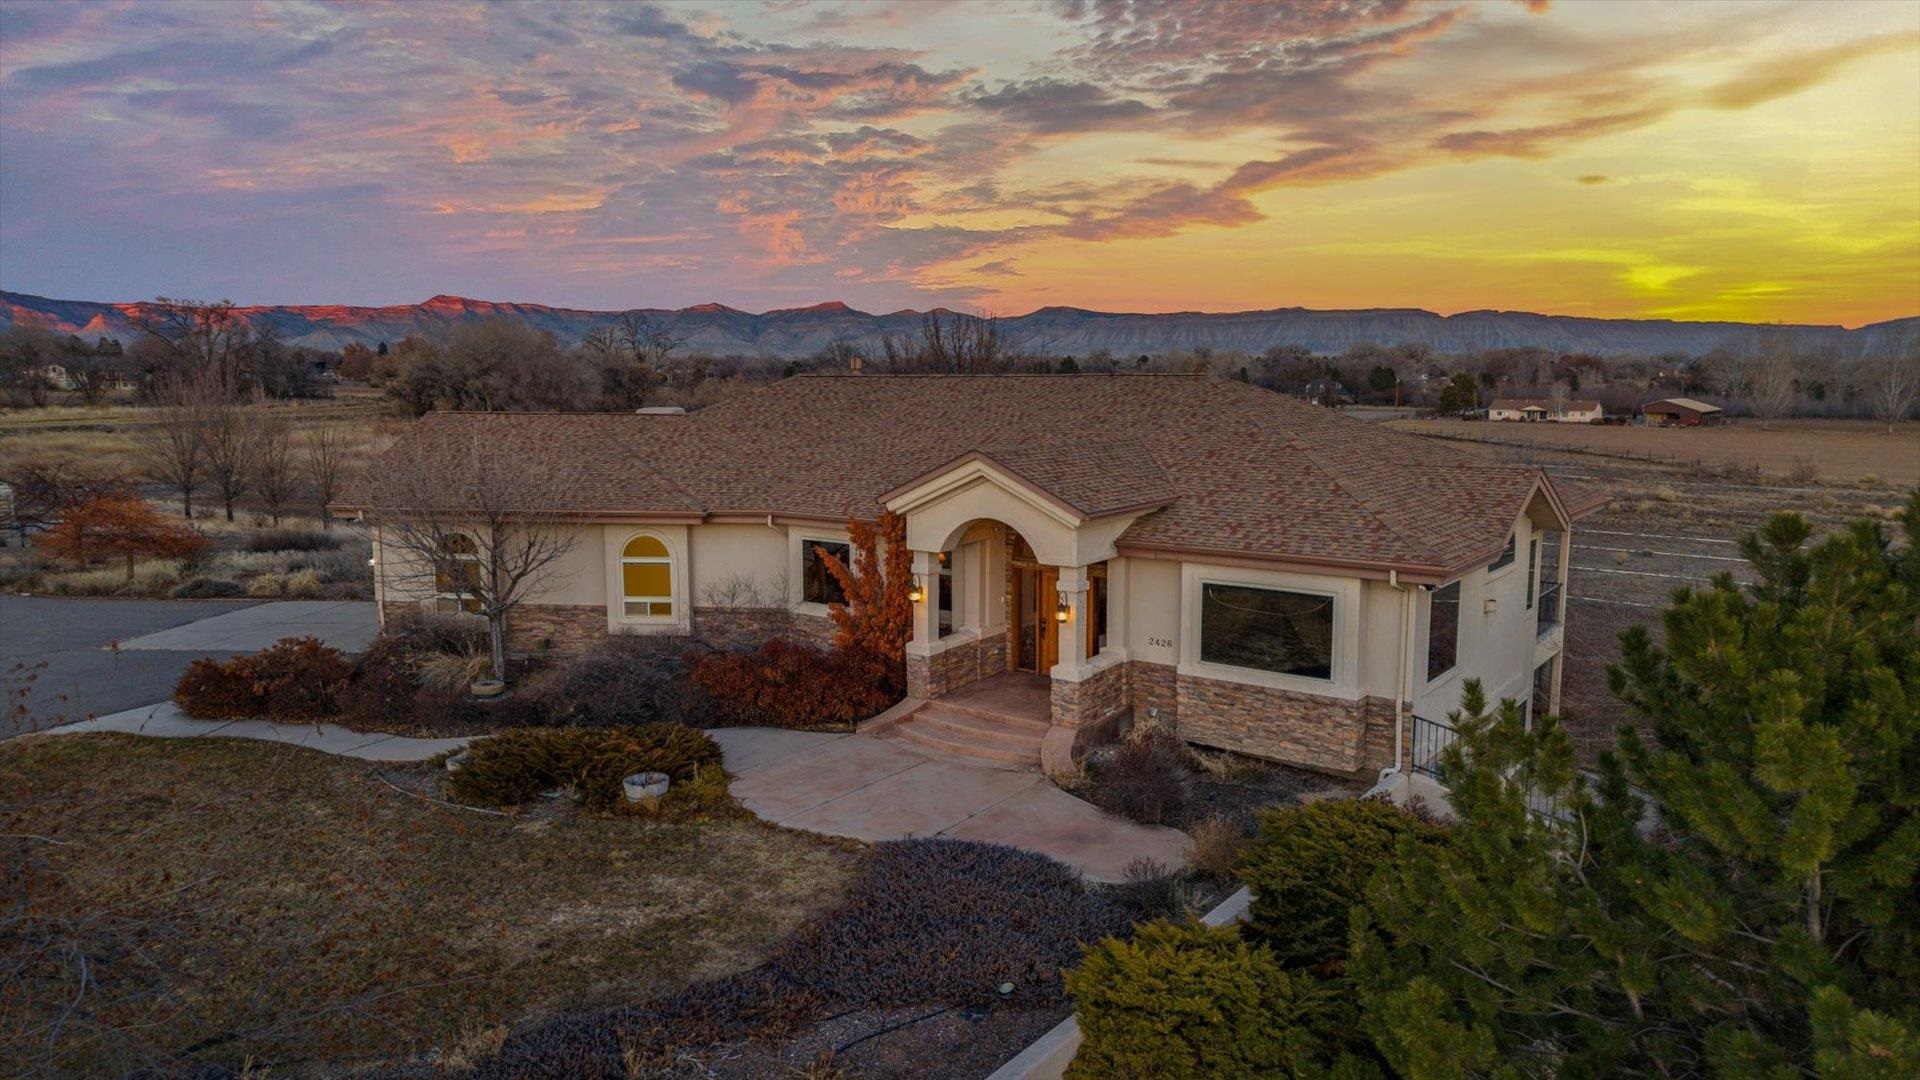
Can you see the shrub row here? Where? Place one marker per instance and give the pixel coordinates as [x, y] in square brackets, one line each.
[790, 685]
[294, 679]
[291, 540]
[927, 921]
[515, 766]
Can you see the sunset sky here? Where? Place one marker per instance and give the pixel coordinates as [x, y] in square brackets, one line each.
[1756, 161]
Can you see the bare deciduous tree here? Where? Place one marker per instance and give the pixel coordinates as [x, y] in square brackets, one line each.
[1769, 374]
[174, 448]
[325, 459]
[950, 343]
[275, 471]
[232, 442]
[210, 344]
[1892, 383]
[483, 532]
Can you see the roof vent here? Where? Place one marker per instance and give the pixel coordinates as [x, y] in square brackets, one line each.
[661, 410]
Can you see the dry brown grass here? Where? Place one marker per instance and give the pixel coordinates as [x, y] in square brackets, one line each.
[265, 900]
[1799, 450]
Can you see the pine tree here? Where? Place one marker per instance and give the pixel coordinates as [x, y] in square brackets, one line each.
[1735, 895]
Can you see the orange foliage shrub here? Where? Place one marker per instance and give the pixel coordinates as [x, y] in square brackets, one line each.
[877, 619]
[118, 526]
[294, 679]
[783, 684]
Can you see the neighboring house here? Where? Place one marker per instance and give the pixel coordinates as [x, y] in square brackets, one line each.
[1541, 409]
[61, 377]
[1273, 578]
[1682, 412]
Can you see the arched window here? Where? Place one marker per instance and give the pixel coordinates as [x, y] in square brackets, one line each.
[457, 574]
[646, 578]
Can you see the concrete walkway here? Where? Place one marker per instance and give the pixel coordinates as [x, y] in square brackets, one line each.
[166, 721]
[870, 789]
[347, 625]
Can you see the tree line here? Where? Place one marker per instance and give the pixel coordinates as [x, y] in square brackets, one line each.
[636, 361]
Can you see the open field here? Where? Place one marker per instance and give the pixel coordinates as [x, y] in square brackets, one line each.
[1805, 450]
[1667, 527]
[235, 901]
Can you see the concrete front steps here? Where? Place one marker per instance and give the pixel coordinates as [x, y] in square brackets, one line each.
[986, 738]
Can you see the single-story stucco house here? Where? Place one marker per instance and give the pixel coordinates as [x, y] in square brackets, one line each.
[1270, 577]
[1540, 409]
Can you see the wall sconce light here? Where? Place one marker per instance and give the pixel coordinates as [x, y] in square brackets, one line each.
[916, 593]
[1060, 609]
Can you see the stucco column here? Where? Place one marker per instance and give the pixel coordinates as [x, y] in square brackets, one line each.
[1073, 632]
[926, 613]
[926, 627]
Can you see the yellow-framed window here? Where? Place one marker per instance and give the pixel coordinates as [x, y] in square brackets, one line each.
[646, 578]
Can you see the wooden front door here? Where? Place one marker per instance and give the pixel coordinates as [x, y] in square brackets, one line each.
[1036, 592]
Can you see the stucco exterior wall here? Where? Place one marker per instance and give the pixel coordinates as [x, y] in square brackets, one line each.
[1495, 646]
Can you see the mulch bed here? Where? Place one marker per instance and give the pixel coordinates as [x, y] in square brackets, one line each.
[1259, 785]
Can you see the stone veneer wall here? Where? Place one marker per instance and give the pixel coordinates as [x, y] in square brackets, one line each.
[556, 629]
[572, 629]
[952, 668]
[1151, 686]
[1299, 729]
[732, 629]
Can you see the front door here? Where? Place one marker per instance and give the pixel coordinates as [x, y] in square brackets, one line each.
[1037, 636]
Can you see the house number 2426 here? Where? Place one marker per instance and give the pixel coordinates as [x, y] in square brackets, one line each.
[1164, 643]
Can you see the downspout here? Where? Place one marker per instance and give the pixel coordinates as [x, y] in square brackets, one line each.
[1402, 688]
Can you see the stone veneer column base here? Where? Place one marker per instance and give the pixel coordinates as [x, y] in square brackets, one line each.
[955, 666]
[1084, 713]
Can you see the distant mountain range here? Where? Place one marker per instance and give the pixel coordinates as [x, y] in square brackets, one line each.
[1059, 331]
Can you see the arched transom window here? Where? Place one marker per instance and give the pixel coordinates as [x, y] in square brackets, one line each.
[646, 578]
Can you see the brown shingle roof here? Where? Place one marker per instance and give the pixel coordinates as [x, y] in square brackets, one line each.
[1233, 468]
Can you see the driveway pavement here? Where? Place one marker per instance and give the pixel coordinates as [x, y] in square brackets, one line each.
[87, 674]
[347, 625]
[874, 789]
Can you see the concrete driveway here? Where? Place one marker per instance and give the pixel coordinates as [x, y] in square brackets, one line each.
[105, 656]
[873, 789]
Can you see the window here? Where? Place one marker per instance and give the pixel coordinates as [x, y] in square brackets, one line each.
[945, 589]
[1533, 569]
[1290, 633]
[646, 578]
[817, 584]
[457, 580]
[1443, 630]
[1097, 611]
[1506, 556]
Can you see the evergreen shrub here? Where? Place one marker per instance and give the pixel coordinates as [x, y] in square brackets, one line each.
[515, 766]
[1308, 866]
[1182, 1000]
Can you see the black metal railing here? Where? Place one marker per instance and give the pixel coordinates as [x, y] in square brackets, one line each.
[1548, 606]
[1430, 739]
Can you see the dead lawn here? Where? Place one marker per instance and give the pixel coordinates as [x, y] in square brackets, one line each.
[234, 901]
[1805, 450]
